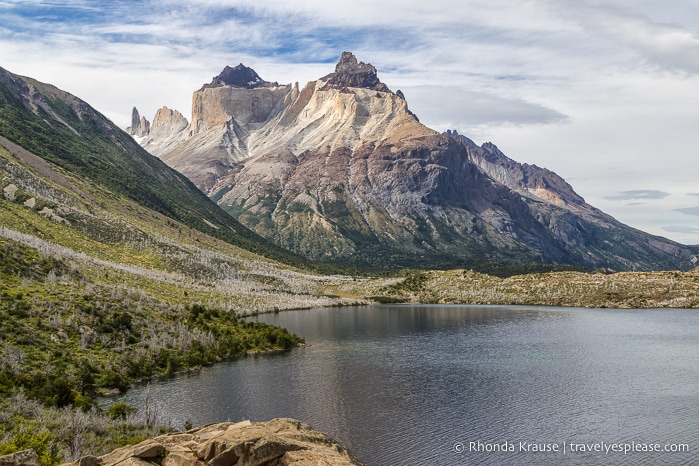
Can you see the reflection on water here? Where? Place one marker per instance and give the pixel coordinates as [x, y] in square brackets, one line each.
[405, 384]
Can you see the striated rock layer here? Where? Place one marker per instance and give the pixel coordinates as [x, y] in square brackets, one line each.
[279, 442]
[341, 170]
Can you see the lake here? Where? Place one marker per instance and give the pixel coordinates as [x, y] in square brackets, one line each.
[449, 385]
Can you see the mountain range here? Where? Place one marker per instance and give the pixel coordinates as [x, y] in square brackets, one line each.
[340, 170]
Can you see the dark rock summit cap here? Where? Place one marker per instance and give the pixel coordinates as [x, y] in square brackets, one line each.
[240, 76]
[350, 73]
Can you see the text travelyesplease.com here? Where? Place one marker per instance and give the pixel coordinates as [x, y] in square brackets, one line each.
[568, 447]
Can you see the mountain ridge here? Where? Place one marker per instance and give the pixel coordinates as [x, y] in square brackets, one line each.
[342, 171]
[66, 131]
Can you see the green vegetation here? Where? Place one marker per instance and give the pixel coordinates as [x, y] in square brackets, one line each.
[66, 339]
[578, 289]
[414, 282]
[76, 138]
[58, 435]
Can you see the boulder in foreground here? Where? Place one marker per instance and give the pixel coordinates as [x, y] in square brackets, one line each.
[274, 443]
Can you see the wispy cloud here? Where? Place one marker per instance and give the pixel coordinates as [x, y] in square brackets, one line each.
[664, 44]
[681, 229]
[638, 194]
[461, 108]
[689, 210]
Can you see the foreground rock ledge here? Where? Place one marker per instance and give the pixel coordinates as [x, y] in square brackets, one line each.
[278, 442]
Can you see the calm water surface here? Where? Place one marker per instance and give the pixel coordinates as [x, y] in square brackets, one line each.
[427, 385]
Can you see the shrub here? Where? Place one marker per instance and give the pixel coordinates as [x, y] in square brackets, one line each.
[121, 410]
[40, 440]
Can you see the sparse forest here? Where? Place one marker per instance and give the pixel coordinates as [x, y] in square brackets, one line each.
[97, 292]
[65, 340]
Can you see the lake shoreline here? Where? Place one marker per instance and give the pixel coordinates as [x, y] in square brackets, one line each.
[515, 373]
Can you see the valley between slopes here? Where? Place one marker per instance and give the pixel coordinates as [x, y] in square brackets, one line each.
[114, 269]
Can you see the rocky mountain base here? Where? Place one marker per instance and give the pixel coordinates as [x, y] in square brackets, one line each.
[274, 443]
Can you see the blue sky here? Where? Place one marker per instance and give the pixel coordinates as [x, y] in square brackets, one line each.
[603, 92]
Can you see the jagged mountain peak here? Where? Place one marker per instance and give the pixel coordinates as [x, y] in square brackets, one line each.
[454, 134]
[50, 128]
[491, 147]
[238, 76]
[494, 151]
[140, 127]
[340, 170]
[352, 73]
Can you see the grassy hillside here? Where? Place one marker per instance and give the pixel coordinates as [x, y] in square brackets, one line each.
[67, 132]
[97, 292]
[101, 286]
[107, 276]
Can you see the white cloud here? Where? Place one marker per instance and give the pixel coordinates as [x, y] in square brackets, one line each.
[681, 229]
[639, 194]
[670, 45]
[448, 107]
[689, 210]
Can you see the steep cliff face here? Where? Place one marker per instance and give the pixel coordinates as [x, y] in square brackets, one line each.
[140, 127]
[341, 170]
[528, 180]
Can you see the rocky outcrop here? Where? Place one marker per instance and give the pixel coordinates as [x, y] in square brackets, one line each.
[350, 73]
[340, 170]
[20, 458]
[275, 443]
[233, 124]
[140, 127]
[10, 191]
[239, 76]
[167, 124]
